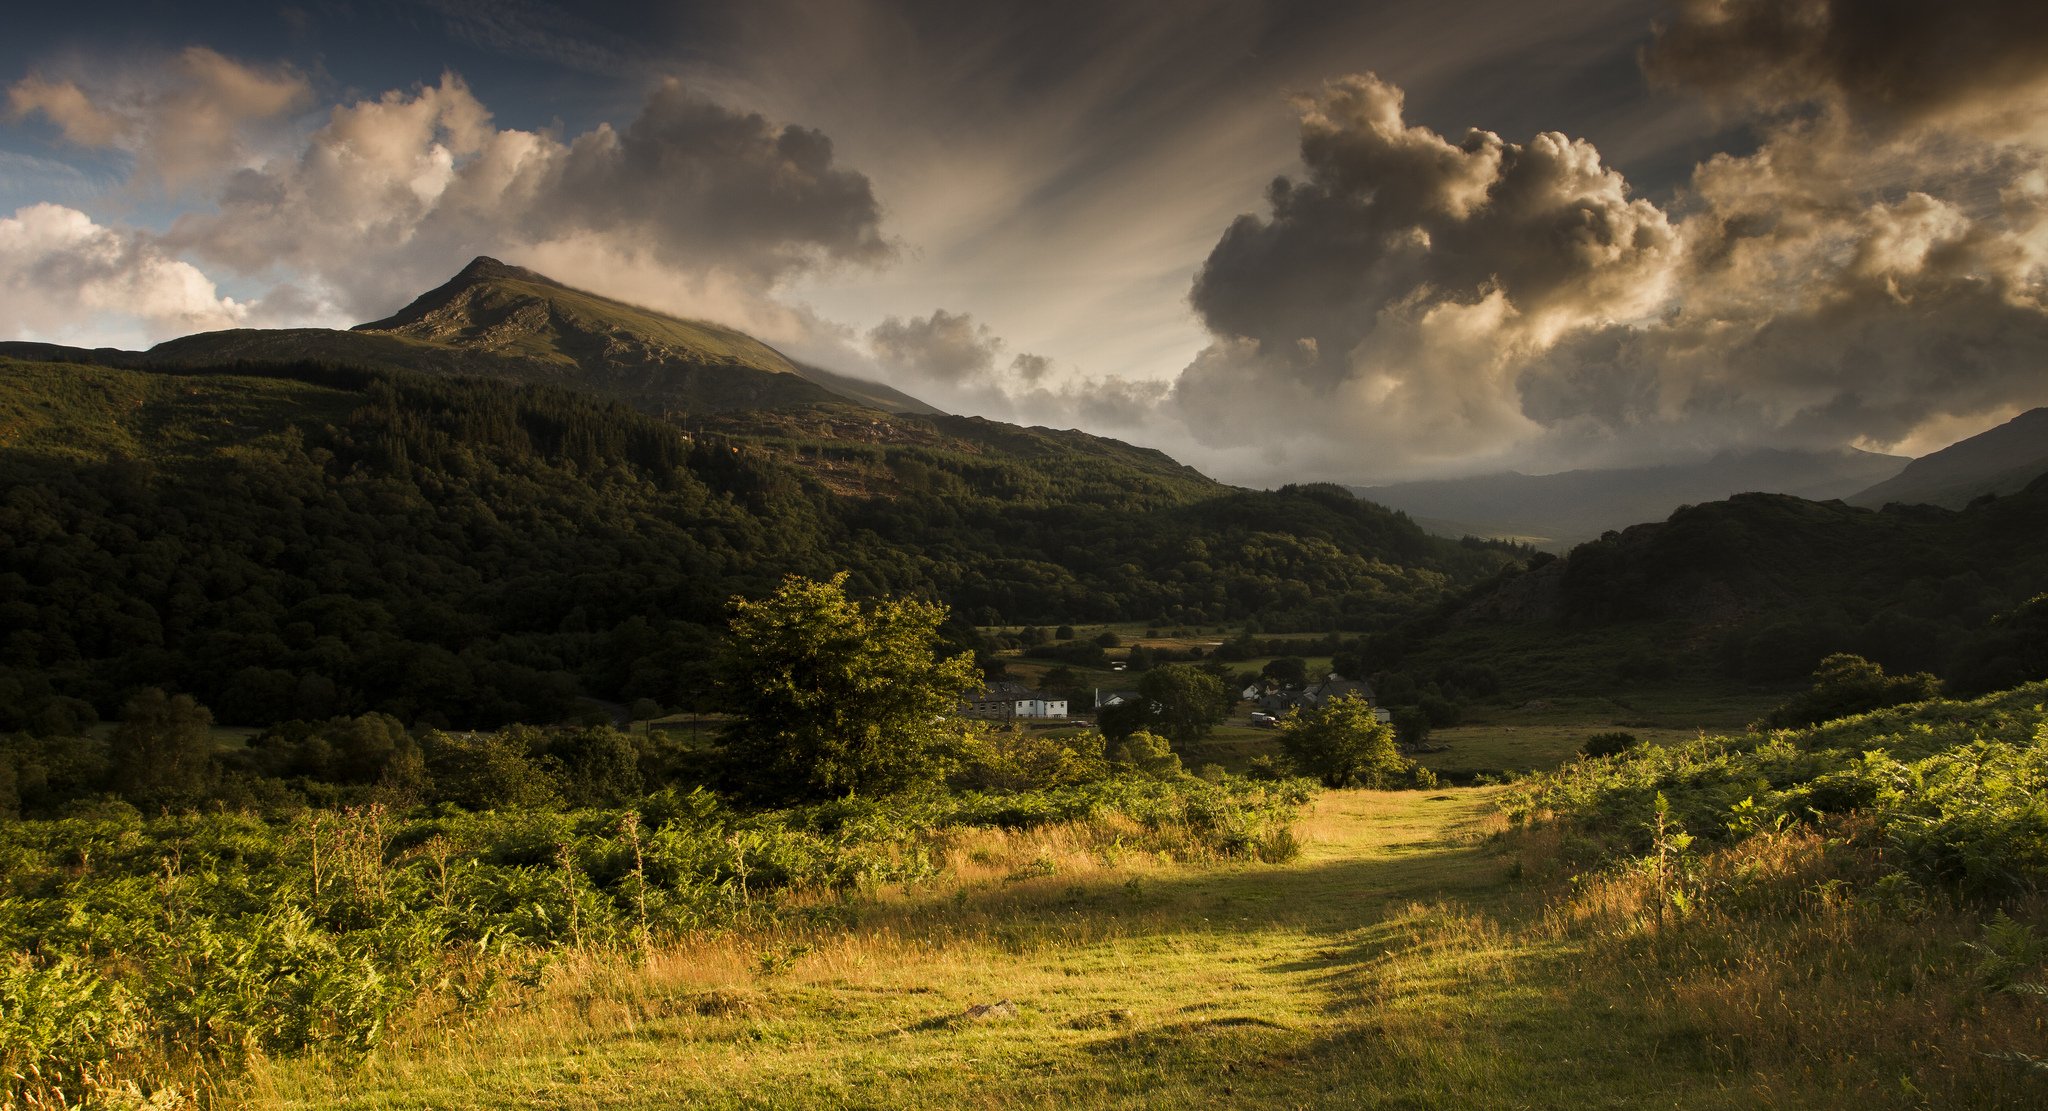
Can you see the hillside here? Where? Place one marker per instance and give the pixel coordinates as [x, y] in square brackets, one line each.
[1756, 589]
[2002, 460]
[295, 540]
[1556, 511]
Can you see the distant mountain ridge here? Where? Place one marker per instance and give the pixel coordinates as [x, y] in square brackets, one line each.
[1557, 511]
[2002, 460]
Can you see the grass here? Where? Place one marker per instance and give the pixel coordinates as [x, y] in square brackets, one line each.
[1126, 980]
[87, 414]
[1416, 953]
[1399, 962]
[1489, 749]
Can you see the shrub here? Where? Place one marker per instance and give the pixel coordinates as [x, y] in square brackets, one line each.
[1150, 754]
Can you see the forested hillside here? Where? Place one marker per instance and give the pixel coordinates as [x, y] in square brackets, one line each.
[1761, 587]
[299, 540]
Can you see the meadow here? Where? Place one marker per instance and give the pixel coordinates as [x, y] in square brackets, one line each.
[1562, 942]
[1843, 916]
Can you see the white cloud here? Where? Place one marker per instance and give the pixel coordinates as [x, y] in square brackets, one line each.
[185, 120]
[65, 278]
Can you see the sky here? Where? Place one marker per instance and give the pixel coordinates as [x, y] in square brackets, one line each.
[1283, 240]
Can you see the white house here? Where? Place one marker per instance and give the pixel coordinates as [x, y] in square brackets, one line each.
[1007, 700]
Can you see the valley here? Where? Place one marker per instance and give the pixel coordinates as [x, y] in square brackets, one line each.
[530, 699]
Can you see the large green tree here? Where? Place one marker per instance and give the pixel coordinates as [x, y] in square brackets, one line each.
[1186, 701]
[833, 697]
[1342, 744]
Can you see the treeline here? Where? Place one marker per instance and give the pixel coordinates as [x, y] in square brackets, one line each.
[1788, 582]
[1760, 589]
[304, 541]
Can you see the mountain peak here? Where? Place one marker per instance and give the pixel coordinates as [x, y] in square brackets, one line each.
[660, 362]
[483, 271]
[484, 268]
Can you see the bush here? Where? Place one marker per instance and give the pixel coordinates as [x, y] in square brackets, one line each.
[192, 940]
[1015, 759]
[1149, 754]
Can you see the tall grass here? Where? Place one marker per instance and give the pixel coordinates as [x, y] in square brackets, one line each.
[155, 956]
[1858, 920]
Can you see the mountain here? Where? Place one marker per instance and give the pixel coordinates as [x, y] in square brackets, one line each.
[2002, 460]
[457, 519]
[499, 321]
[1556, 511]
[647, 359]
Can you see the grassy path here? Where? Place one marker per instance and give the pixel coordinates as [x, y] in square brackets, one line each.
[1383, 968]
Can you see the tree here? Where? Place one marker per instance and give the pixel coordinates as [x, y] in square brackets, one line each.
[1187, 702]
[1844, 685]
[1124, 718]
[1288, 671]
[1342, 744]
[2012, 651]
[490, 771]
[1411, 726]
[163, 747]
[837, 698]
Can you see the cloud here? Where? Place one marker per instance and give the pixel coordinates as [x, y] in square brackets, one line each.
[944, 347]
[702, 179]
[1030, 368]
[1386, 302]
[391, 195]
[1887, 65]
[1875, 268]
[956, 362]
[185, 120]
[64, 277]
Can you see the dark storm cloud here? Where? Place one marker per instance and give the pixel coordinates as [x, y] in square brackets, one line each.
[1382, 297]
[1877, 266]
[1888, 62]
[704, 181]
[1390, 212]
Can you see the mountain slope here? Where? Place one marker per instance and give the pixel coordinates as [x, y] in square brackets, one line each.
[1758, 589]
[2002, 460]
[290, 541]
[1556, 511]
[654, 361]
